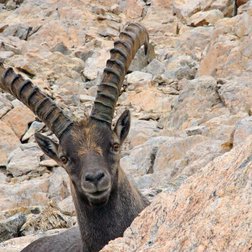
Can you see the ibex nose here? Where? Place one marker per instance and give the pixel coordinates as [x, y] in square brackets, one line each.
[94, 177]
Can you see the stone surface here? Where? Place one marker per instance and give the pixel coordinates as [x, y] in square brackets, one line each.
[185, 9]
[19, 194]
[243, 130]
[92, 68]
[24, 159]
[193, 107]
[35, 127]
[17, 244]
[149, 99]
[141, 131]
[230, 46]
[9, 141]
[18, 119]
[205, 18]
[10, 227]
[66, 206]
[237, 97]
[138, 77]
[180, 67]
[199, 213]
[49, 218]
[140, 160]
[197, 97]
[5, 105]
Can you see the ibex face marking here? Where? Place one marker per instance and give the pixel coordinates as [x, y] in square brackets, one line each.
[90, 153]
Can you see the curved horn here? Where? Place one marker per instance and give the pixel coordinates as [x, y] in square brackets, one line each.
[130, 40]
[33, 98]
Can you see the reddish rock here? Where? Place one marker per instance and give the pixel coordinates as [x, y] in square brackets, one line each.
[230, 50]
[133, 8]
[210, 212]
[18, 119]
[8, 142]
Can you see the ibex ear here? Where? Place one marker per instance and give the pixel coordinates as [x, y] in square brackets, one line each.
[123, 125]
[48, 146]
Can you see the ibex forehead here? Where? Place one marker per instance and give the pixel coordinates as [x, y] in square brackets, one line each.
[90, 136]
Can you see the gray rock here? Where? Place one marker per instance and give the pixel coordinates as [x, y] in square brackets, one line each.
[197, 97]
[202, 18]
[180, 67]
[5, 105]
[59, 187]
[243, 129]
[48, 163]
[108, 32]
[184, 156]
[141, 60]
[137, 78]
[236, 94]
[86, 98]
[95, 64]
[83, 55]
[195, 40]
[66, 206]
[24, 159]
[140, 159]
[197, 130]
[34, 192]
[19, 30]
[10, 227]
[35, 127]
[155, 67]
[61, 47]
[141, 131]
[17, 244]
[6, 54]
[9, 142]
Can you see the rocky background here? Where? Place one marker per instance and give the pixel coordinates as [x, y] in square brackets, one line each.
[189, 149]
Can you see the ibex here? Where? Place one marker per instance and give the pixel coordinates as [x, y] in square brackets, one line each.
[89, 150]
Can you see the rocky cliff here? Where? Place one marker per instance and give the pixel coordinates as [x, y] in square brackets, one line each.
[189, 149]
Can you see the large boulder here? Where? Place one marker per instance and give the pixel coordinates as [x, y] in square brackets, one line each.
[230, 51]
[210, 212]
[195, 103]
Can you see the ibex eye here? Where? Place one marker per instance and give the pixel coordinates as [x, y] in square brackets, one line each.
[64, 159]
[116, 147]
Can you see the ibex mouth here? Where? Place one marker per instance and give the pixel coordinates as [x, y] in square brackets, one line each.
[99, 197]
[98, 194]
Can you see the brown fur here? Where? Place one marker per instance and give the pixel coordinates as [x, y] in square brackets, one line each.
[89, 143]
[85, 136]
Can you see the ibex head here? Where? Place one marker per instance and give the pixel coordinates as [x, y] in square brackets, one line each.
[89, 150]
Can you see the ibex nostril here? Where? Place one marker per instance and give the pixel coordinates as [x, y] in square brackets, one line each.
[100, 175]
[94, 177]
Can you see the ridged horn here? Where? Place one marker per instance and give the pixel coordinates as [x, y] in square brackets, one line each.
[35, 99]
[130, 40]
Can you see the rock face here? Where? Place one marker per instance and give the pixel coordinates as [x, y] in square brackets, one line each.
[11, 227]
[9, 141]
[18, 119]
[190, 99]
[200, 215]
[24, 160]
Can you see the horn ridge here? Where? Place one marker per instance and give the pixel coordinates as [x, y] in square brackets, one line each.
[34, 99]
[130, 40]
